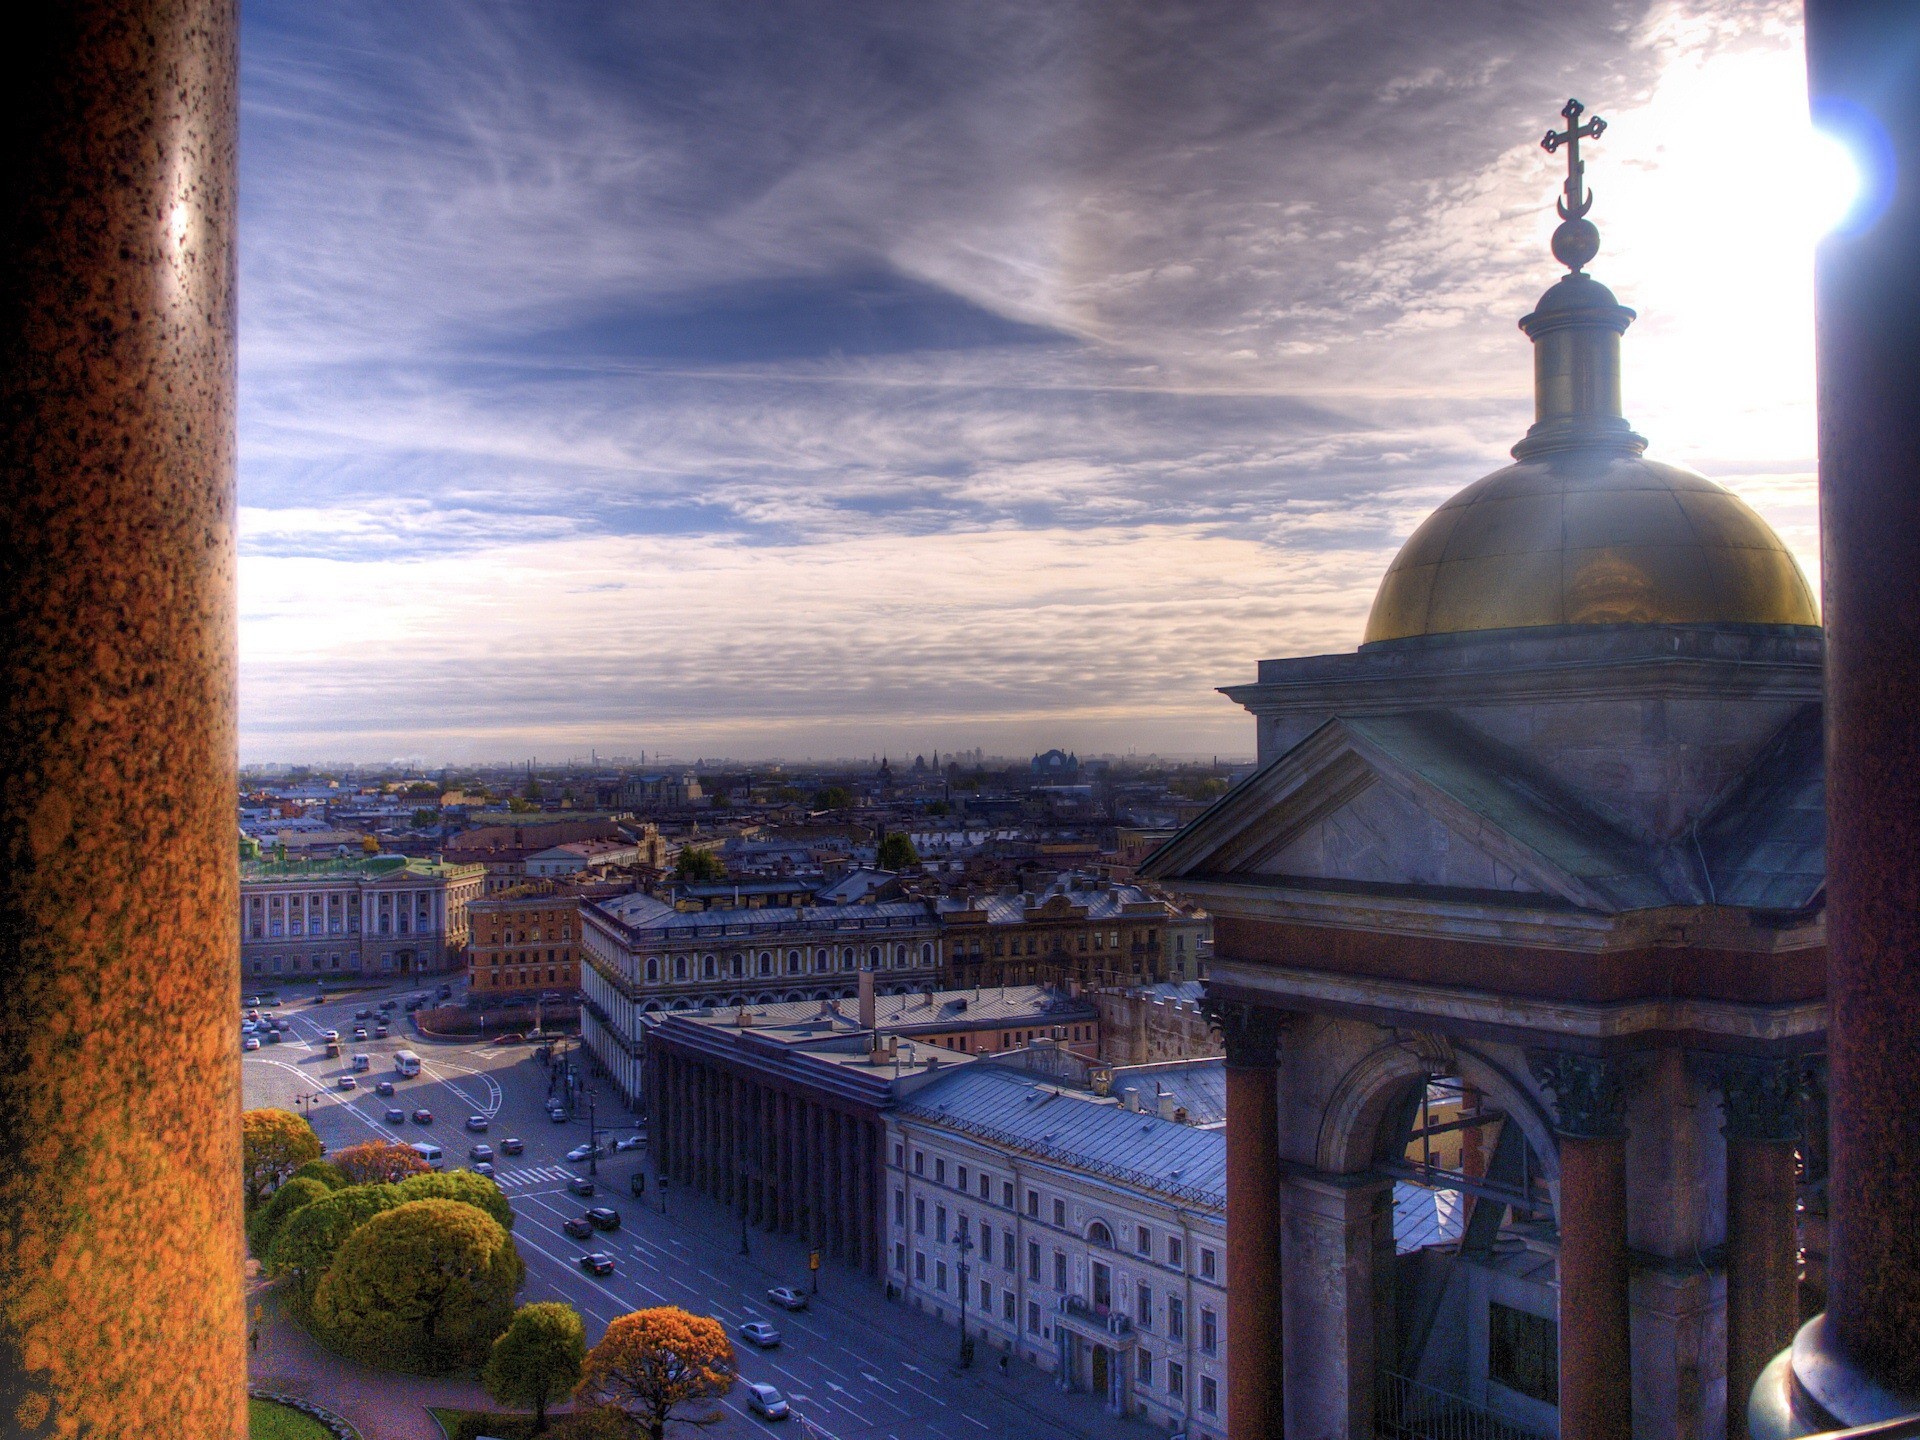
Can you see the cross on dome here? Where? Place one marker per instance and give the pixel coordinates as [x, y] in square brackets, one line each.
[1577, 240]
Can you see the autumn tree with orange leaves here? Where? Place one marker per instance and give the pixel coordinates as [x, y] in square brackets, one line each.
[651, 1363]
[273, 1144]
[379, 1162]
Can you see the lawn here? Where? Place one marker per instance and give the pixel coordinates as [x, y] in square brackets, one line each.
[268, 1421]
[466, 1424]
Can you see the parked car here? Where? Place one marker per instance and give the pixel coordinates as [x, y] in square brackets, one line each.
[630, 1142]
[382, 1030]
[580, 1185]
[385, 1087]
[389, 1004]
[578, 1226]
[480, 1152]
[396, 1117]
[558, 1117]
[347, 1082]
[512, 1037]
[604, 1217]
[272, 1037]
[767, 1402]
[446, 992]
[330, 1035]
[759, 1332]
[582, 1152]
[598, 1263]
[252, 1042]
[423, 1117]
[788, 1298]
[512, 1145]
[362, 1062]
[477, 1124]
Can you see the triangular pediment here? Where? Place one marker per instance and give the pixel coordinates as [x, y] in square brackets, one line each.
[1410, 801]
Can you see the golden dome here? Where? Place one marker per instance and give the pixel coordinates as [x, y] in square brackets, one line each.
[1590, 536]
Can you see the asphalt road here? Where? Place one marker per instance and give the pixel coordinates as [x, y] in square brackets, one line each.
[854, 1366]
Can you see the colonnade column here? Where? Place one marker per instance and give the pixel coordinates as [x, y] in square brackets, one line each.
[1762, 1126]
[1255, 1402]
[1596, 1381]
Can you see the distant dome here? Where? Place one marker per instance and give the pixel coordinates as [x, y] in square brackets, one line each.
[1590, 536]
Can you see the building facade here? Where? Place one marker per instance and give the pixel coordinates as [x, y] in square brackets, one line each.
[1075, 930]
[1085, 1236]
[524, 943]
[363, 916]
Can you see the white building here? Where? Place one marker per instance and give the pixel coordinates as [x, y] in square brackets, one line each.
[1087, 1236]
[361, 915]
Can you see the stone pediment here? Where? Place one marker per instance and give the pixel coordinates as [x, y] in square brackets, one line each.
[1412, 802]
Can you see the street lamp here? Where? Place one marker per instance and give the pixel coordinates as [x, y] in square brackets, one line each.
[966, 1341]
[593, 1139]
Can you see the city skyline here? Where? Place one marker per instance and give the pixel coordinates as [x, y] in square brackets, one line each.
[787, 387]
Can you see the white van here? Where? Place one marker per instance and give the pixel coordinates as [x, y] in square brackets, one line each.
[429, 1152]
[407, 1063]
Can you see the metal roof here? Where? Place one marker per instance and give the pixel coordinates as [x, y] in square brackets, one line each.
[1005, 1107]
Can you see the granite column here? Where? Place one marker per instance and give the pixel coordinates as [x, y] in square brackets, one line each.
[1255, 1400]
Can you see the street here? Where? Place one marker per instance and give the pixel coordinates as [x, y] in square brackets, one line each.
[854, 1366]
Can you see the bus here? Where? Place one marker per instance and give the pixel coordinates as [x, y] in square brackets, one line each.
[407, 1063]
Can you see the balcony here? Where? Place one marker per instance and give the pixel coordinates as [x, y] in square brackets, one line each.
[1096, 1322]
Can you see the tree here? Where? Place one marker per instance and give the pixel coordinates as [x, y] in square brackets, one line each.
[832, 797]
[462, 1185]
[320, 1170]
[425, 1287]
[652, 1362]
[273, 1144]
[423, 818]
[896, 852]
[379, 1162]
[538, 1359]
[295, 1194]
[312, 1236]
[698, 867]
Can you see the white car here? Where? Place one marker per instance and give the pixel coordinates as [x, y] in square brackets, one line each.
[581, 1152]
[252, 1042]
[632, 1142]
[760, 1333]
[767, 1402]
[329, 1034]
[787, 1298]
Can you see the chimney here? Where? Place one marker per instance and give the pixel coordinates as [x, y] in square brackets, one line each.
[1166, 1104]
[866, 1000]
[1130, 1098]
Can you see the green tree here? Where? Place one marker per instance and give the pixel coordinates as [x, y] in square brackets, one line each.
[273, 1144]
[423, 818]
[698, 867]
[462, 1185]
[312, 1236]
[295, 1194]
[896, 852]
[326, 1173]
[652, 1362]
[538, 1359]
[832, 797]
[425, 1287]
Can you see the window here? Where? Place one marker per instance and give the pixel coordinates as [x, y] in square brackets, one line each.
[1033, 1204]
[1033, 1317]
[1145, 1368]
[1007, 1302]
[1059, 1271]
[1143, 1306]
[940, 1224]
[919, 1265]
[960, 1178]
[1006, 1193]
[1209, 1331]
[1060, 1214]
[1006, 1249]
[939, 1172]
[1209, 1264]
[919, 1162]
[1176, 1257]
[1176, 1318]
[986, 1188]
[1033, 1260]
[899, 1157]
[900, 1258]
[1209, 1395]
[899, 1207]
[1143, 1240]
[1523, 1352]
[1176, 1379]
[986, 1298]
[940, 1275]
[919, 1216]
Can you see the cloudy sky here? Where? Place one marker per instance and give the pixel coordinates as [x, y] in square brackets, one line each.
[816, 379]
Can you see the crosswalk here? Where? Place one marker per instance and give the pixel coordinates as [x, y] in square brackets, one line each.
[537, 1175]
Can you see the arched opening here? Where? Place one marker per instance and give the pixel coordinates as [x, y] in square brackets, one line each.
[1099, 1234]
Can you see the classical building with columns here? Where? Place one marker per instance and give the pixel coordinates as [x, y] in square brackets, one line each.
[362, 915]
[1519, 950]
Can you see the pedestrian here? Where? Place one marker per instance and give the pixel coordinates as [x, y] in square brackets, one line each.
[253, 1340]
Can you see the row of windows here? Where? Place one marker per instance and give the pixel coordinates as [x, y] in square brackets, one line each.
[682, 967]
[525, 957]
[1171, 1246]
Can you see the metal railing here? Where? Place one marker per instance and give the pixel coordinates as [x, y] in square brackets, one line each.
[1115, 1322]
[1409, 1410]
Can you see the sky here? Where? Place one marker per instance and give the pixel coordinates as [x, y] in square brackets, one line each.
[824, 379]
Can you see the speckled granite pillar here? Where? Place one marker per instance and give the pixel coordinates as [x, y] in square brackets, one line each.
[120, 1249]
[1255, 1338]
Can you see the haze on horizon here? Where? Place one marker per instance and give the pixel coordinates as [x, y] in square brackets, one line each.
[836, 379]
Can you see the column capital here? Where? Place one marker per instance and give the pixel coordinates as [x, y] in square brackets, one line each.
[1251, 1032]
[1589, 1092]
[1762, 1094]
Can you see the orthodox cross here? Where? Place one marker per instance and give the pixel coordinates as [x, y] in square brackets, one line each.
[1578, 199]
